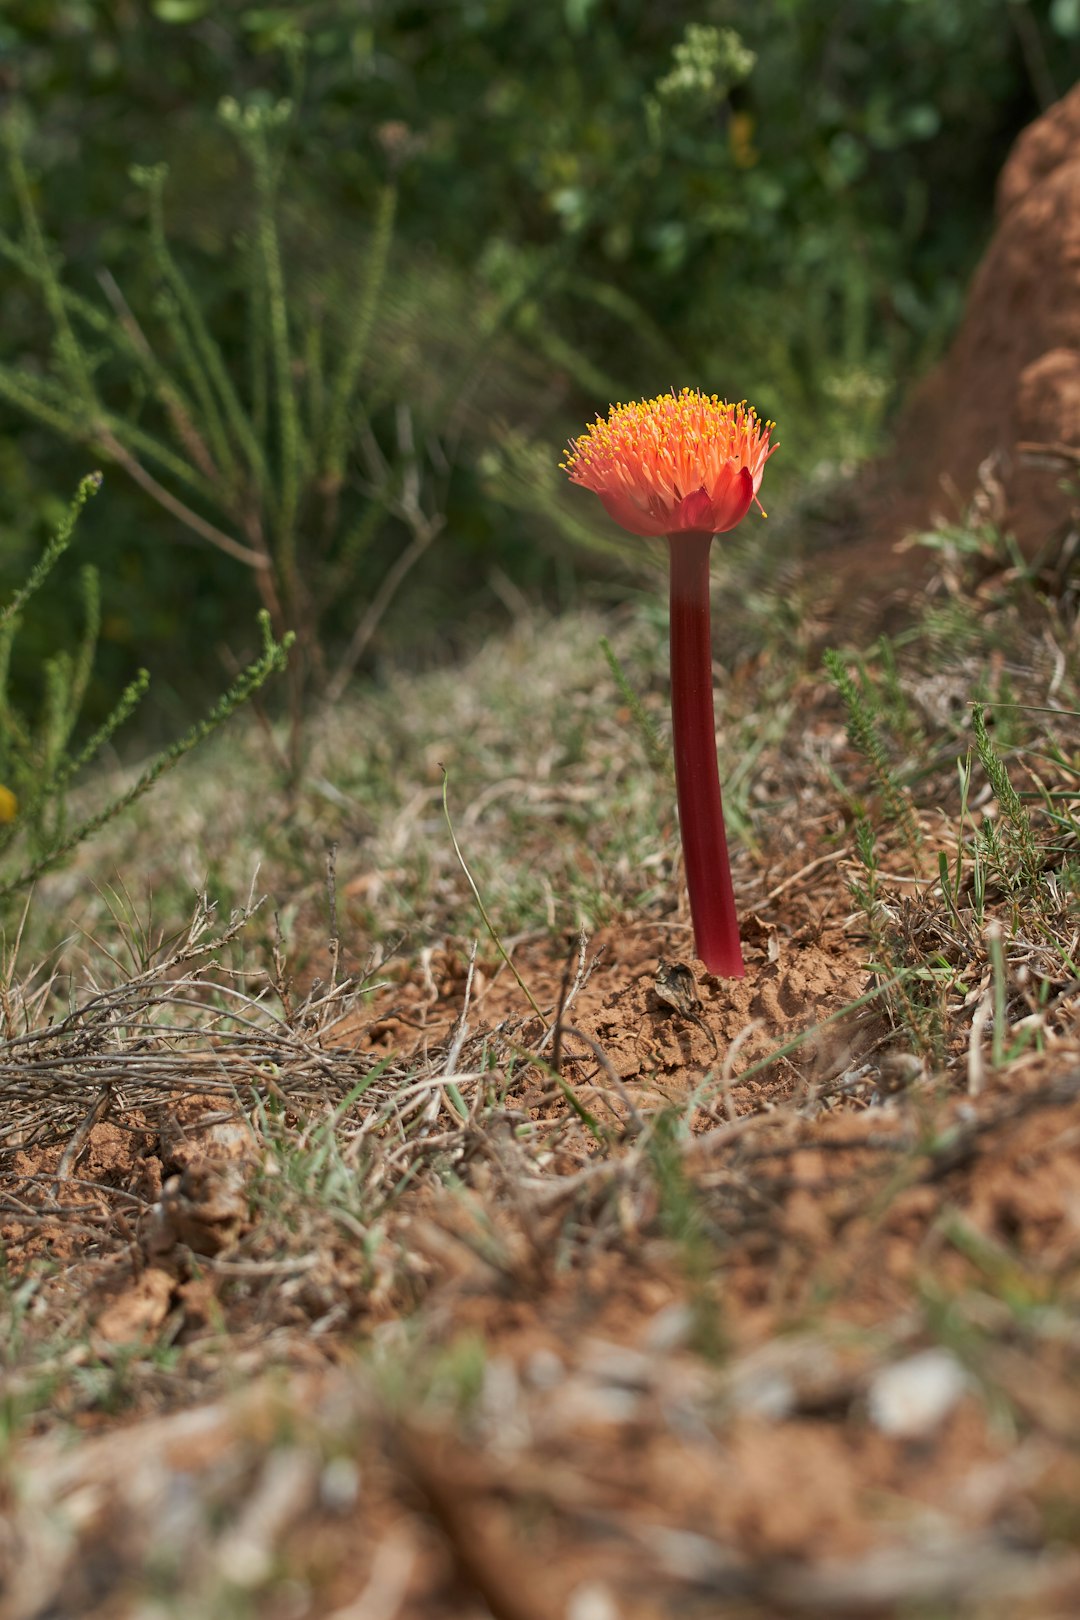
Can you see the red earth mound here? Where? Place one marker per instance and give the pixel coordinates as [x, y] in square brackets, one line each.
[1002, 410]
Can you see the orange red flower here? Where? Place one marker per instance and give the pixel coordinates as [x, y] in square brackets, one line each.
[681, 461]
[688, 466]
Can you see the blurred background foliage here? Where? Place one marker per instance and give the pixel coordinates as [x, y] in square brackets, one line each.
[591, 199]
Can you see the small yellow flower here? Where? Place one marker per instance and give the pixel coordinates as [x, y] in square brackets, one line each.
[741, 139]
[9, 805]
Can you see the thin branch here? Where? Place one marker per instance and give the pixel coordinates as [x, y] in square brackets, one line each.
[169, 501]
[170, 395]
[1033, 51]
[379, 603]
[1057, 452]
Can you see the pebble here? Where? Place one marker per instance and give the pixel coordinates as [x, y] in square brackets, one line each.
[910, 1398]
[670, 1329]
[592, 1600]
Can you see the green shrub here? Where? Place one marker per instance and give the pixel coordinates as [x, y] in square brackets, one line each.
[592, 201]
[40, 758]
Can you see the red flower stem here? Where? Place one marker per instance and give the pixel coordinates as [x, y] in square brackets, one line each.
[701, 812]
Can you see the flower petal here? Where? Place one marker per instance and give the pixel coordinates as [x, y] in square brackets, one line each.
[694, 512]
[732, 497]
[631, 516]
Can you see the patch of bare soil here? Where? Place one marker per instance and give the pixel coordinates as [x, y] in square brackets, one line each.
[620, 1025]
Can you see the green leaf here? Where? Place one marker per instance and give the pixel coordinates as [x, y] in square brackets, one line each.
[1065, 18]
[180, 11]
[577, 14]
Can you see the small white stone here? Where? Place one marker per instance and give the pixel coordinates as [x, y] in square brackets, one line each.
[592, 1600]
[339, 1484]
[500, 1408]
[544, 1370]
[910, 1398]
[617, 1365]
[670, 1329]
[765, 1392]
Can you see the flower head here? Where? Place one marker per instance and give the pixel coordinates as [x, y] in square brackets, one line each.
[680, 461]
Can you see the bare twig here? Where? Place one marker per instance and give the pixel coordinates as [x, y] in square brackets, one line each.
[164, 497]
[81, 1137]
[424, 533]
[179, 415]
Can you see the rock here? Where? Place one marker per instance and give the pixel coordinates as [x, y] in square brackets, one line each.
[592, 1600]
[205, 1209]
[910, 1398]
[139, 1311]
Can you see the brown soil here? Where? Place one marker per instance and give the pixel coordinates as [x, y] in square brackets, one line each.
[590, 1305]
[998, 421]
[709, 1408]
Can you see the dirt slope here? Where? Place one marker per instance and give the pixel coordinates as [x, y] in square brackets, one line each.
[1011, 380]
